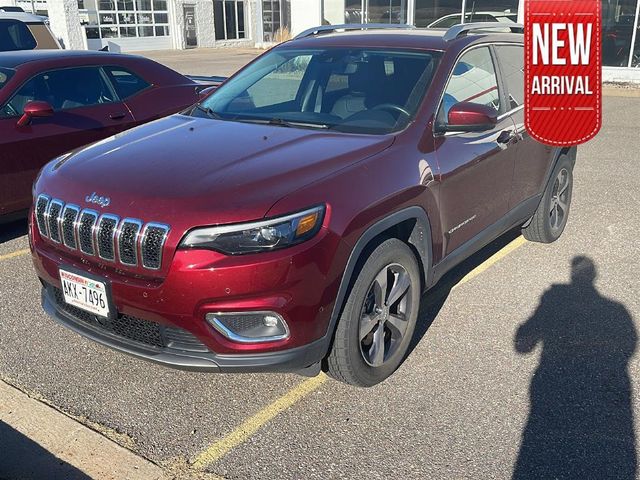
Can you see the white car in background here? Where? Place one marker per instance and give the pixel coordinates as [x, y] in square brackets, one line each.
[470, 17]
[24, 31]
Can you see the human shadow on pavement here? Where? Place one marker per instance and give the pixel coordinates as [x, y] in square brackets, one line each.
[580, 423]
[22, 458]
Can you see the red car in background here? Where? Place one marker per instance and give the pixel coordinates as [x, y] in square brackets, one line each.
[53, 101]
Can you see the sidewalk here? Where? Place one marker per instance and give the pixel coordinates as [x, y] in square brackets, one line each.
[37, 441]
[204, 61]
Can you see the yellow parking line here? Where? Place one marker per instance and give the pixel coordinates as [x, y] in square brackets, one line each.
[17, 253]
[491, 261]
[250, 426]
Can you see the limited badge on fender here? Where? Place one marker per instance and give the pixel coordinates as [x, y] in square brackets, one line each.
[563, 70]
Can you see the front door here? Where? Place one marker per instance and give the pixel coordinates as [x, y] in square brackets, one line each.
[476, 168]
[86, 109]
[190, 30]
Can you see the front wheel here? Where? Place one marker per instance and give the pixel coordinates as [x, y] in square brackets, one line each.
[552, 214]
[379, 317]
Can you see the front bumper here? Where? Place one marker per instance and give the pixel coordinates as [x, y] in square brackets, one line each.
[299, 284]
[174, 347]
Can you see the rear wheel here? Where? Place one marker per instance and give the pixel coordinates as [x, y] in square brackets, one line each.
[552, 214]
[379, 317]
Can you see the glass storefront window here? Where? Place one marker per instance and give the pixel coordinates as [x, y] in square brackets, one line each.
[430, 11]
[276, 17]
[618, 24]
[106, 19]
[386, 11]
[228, 17]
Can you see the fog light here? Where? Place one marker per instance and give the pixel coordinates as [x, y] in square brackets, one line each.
[249, 327]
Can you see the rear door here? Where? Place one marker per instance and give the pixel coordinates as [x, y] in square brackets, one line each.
[532, 158]
[86, 109]
[476, 168]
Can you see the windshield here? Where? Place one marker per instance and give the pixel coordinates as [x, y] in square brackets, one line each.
[349, 90]
[5, 75]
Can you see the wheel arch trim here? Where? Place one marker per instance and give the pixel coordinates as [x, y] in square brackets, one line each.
[420, 238]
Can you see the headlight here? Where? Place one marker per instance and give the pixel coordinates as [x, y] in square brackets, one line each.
[262, 236]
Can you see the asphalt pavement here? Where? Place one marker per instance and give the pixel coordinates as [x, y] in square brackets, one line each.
[525, 365]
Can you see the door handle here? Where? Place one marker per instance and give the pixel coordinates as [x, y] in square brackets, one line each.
[117, 116]
[506, 136]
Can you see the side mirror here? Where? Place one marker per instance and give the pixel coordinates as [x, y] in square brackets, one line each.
[204, 93]
[35, 109]
[471, 117]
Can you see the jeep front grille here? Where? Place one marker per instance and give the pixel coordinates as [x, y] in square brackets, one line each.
[129, 242]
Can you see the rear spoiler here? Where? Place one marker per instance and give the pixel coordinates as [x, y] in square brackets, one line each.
[213, 80]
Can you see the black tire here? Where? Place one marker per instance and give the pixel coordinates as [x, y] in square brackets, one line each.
[355, 361]
[552, 214]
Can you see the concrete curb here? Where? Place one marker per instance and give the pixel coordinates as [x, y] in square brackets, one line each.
[38, 441]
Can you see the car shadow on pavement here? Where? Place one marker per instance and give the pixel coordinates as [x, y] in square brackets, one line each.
[580, 423]
[12, 230]
[21, 457]
[433, 301]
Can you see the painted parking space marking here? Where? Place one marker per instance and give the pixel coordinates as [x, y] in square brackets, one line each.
[249, 427]
[18, 253]
[491, 261]
[253, 424]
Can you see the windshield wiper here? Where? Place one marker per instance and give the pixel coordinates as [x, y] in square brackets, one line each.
[282, 123]
[210, 113]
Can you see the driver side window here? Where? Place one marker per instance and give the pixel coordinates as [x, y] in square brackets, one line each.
[473, 80]
[62, 89]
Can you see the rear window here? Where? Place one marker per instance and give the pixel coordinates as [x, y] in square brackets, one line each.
[15, 35]
[125, 82]
[5, 76]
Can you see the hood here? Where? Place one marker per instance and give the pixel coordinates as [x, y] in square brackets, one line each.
[190, 168]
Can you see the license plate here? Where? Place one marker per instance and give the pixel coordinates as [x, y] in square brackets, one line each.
[85, 293]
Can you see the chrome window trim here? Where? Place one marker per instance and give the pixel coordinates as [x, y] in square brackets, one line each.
[55, 201]
[95, 215]
[510, 112]
[106, 216]
[76, 208]
[47, 198]
[140, 225]
[143, 237]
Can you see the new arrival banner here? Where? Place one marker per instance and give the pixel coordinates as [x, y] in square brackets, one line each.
[563, 70]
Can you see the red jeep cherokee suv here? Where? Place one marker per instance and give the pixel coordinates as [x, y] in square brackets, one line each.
[292, 220]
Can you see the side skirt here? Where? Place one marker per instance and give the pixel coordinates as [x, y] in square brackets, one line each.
[517, 216]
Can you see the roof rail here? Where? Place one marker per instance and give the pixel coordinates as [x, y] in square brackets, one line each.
[458, 31]
[353, 26]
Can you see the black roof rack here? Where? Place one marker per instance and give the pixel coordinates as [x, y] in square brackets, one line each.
[353, 26]
[462, 30]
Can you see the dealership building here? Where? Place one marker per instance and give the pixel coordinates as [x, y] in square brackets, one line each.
[138, 25]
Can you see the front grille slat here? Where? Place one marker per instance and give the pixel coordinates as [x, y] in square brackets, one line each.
[53, 219]
[105, 237]
[153, 237]
[130, 242]
[41, 209]
[86, 226]
[69, 218]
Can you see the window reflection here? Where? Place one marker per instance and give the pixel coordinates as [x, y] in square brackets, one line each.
[618, 23]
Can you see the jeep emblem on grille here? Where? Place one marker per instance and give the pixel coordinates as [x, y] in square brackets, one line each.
[98, 200]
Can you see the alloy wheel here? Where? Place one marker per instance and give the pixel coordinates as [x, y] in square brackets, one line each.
[385, 315]
[560, 200]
